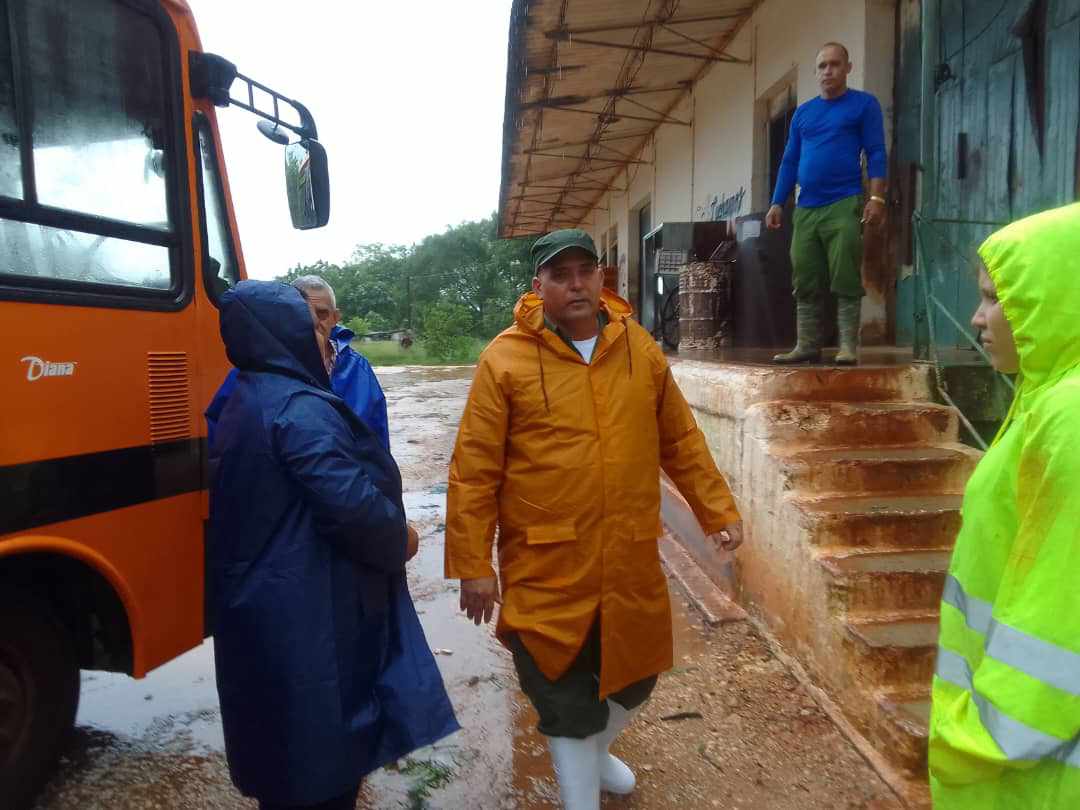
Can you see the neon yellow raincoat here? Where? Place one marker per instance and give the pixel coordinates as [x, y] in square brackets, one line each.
[1005, 725]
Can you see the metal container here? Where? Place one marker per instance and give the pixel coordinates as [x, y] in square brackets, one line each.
[705, 305]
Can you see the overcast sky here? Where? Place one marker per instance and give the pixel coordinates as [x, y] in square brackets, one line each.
[408, 99]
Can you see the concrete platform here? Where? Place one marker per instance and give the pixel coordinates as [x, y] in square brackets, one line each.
[849, 481]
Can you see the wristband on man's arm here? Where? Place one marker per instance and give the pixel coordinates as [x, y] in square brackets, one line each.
[876, 198]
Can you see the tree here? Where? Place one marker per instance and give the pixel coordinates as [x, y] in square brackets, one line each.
[393, 286]
[445, 331]
[358, 326]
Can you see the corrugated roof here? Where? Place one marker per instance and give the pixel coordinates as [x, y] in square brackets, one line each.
[588, 81]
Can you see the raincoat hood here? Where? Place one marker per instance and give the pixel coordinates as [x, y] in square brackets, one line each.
[1005, 720]
[267, 326]
[342, 336]
[529, 311]
[1035, 265]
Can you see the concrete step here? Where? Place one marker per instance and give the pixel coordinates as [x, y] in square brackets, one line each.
[832, 425]
[863, 582]
[730, 388]
[903, 722]
[911, 470]
[894, 651]
[716, 606]
[888, 521]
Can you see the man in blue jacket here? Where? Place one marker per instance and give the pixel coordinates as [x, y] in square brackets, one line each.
[351, 375]
[323, 670]
[829, 134]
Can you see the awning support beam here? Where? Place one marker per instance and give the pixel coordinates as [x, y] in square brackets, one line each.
[527, 184]
[615, 169]
[628, 162]
[647, 108]
[606, 114]
[705, 45]
[649, 49]
[553, 70]
[597, 29]
[614, 92]
[568, 144]
[543, 198]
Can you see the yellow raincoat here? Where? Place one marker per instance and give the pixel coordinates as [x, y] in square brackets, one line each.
[1005, 724]
[565, 457]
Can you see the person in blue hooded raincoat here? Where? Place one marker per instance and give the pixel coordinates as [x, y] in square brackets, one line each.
[351, 375]
[323, 670]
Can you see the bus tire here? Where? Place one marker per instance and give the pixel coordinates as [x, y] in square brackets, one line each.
[39, 695]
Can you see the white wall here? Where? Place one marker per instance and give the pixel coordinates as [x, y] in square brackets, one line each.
[673, 162]
[724, 132]
[715, 158]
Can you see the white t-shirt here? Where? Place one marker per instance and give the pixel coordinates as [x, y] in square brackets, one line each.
[586, 347]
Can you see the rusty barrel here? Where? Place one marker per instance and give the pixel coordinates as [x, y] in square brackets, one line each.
[705, 305]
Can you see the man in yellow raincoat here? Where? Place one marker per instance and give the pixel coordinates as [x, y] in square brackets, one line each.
[1005, 723]
[572, 414]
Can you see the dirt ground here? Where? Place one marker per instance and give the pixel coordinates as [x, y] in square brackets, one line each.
[728, 727]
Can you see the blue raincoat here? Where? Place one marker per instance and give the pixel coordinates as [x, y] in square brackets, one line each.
[323, 670]
[353, 380]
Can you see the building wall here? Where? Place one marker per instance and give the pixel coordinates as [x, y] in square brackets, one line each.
[717, 167]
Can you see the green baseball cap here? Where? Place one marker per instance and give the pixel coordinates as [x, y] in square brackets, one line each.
[548, 247]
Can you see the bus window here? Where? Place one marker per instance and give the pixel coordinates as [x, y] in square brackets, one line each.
[10, 164]
[94, 205]
[220, 268]
[56, 253]
[99, 117]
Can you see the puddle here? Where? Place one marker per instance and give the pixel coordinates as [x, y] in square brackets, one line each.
[158, 742]
[176, 703]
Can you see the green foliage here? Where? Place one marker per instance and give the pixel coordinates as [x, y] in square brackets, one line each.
[427, 775]
[467, 268]
[358, 325]
[445, 331]
[391, 353]
[497, 315]
[377, 322]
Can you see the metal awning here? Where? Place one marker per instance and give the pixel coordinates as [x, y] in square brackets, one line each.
[587, 84]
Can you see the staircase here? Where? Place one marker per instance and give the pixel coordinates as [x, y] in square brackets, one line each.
[850, 482]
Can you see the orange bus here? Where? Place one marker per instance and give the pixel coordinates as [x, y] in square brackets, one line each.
[117, 239]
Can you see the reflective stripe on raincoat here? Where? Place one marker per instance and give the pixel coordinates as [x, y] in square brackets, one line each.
[1005, 723]
[565, 457]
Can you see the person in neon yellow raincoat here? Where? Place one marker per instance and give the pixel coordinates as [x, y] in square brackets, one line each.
[1005, 723]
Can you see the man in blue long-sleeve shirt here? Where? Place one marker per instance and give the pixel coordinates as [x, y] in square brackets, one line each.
[829, 135]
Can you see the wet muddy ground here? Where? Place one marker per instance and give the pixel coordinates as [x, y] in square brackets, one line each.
[729, 727]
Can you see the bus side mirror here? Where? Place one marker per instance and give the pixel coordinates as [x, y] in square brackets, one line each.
[307, 182]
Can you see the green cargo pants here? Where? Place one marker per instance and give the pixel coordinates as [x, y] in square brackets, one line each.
[570, 706]
[826, 250]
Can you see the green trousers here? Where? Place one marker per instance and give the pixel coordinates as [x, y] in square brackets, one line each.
[826, 250]
[570, 706]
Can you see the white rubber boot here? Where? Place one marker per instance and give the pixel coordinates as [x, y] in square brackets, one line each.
[615, 775]
[577, 767]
